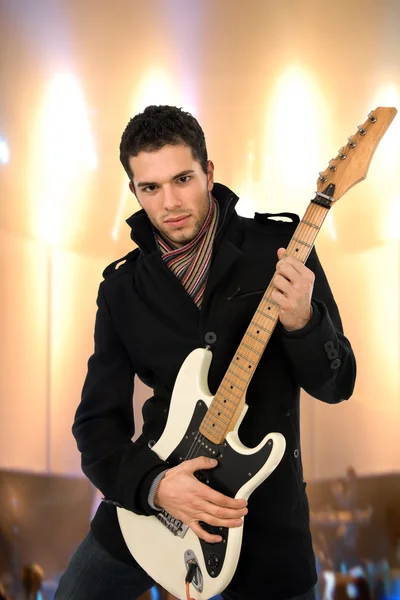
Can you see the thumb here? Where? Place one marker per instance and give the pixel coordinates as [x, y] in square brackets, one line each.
[201, 462]
[281, 252]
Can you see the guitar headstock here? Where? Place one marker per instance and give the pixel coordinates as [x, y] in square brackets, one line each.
[352, 162]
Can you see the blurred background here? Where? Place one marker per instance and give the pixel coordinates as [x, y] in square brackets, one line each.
[278, 87]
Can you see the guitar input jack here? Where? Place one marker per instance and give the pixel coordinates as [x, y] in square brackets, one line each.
[193, 573]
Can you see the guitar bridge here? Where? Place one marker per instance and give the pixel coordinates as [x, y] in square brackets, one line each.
[175, 526]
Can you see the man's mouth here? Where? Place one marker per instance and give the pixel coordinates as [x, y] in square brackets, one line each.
[178, 220]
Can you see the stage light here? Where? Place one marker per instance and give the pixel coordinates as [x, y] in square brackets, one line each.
[4, 152]
[156, 88]
[295, 140]
[393, 221]
[246, 185]
[155, 594]
[63, 155]
[296, 123]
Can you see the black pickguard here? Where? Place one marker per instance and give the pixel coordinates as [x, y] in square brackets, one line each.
[233, 471]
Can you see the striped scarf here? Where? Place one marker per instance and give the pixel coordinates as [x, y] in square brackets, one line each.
[191, 263]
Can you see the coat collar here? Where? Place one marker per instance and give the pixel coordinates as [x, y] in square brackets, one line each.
[142, 232]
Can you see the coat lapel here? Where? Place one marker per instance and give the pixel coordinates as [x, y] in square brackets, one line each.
[226, 255]
[161, 290]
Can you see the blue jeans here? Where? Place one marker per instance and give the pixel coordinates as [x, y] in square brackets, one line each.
[93, 574]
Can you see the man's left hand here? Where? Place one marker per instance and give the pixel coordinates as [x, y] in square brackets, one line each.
[293, 285]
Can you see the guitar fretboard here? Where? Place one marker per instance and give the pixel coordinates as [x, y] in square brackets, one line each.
[228, 402]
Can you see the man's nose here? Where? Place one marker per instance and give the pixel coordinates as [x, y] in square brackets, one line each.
[171, 198]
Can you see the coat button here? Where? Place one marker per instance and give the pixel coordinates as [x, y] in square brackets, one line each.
[210, 337]
[330, 350]
[296, 453]
[335, 364]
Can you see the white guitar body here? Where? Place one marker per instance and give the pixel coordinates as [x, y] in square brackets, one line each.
[165, 554]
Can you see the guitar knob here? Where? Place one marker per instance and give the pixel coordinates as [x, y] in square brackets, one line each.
[213, 560]
[342, 155]
[361, 130]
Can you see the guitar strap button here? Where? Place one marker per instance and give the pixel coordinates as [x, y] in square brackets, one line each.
[210, 337]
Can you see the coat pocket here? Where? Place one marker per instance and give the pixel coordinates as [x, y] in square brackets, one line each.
[238, 294]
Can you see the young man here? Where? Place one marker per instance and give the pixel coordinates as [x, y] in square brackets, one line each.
[196, 279]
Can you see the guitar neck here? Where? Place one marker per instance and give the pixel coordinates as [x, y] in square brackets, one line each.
[229, 400]
[343, 172]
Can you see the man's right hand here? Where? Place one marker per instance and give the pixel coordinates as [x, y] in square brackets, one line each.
[184, 497]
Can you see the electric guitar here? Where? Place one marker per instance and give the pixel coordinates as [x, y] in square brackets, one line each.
[200, 424]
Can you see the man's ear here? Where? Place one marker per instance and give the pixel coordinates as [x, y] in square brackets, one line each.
[132, 188]
[210, 175]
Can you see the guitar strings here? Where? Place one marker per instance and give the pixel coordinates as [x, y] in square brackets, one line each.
[191, 453]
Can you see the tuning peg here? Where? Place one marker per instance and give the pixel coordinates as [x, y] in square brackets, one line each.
[322, 177]
[332, 167]
[361, 130]
[371, 117]
[352, 144]
[342, 155]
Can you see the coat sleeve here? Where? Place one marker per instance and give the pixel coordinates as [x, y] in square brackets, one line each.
[321, 356]
[104, 424]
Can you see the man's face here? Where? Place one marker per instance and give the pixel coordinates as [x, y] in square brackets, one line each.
[173, 189]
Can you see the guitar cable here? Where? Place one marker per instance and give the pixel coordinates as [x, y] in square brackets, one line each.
[189, 579]
[188, 596]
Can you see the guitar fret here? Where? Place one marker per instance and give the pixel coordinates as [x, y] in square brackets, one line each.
[227, 399]
[230, 391]
[247, 359]
[236, 375]
[243, 369]
[250, 348]
[214, 438]
[267, 315]
[223, 405]
[233, 383]
[303, 243]
[255, 338]
[218, 417]
[211, 428]
[272, 302]
[261, 327]
[309, 224]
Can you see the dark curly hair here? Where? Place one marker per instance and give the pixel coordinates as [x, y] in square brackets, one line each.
[158, 126]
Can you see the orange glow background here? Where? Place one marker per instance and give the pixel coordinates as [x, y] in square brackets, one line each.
[278, 87]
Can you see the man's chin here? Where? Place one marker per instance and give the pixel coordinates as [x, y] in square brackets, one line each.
[178, 238]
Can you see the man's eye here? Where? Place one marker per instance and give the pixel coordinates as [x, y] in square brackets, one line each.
[184, 178]
[149, 188]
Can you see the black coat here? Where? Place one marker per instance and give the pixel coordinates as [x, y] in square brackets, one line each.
[147, 324]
